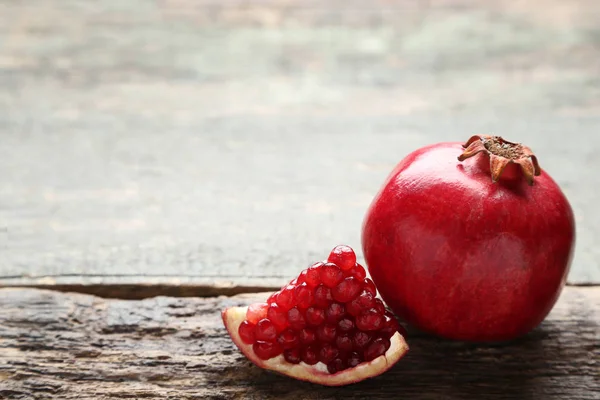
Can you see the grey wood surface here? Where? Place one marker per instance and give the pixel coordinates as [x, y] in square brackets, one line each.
[74, 346]
[231, 143]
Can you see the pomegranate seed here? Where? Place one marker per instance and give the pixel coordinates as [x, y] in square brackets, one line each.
[304, 296]
[307, 336]
[354, 359]
[345, 325]
[276, 350]
[322, 296]
[256, 312]
[296, 319]
[343, 256]
[353, 308]
[313, 275]
[327, 353]
[246, 332]
[315, 316]
[265, 331]
[377, 348]
[369, 286]
[369, 320]
[379, 306]
[331, 275]
[266, 350]
[301, 278]
[277, 316]
[286, 297]
[344, 343]
[334, 312]
[336, 365]
[292, 355]
[362, 302]
[309, 355]
[326, 333]
[272, 297]
[287, 339]
[346, 290]
[360, 340]
[358, 272]
[390, 325]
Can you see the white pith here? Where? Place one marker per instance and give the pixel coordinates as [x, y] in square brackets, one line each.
[234, 316]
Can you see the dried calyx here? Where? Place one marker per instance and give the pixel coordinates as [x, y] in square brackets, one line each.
[501, 153]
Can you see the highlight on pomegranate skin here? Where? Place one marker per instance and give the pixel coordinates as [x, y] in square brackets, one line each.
[326, 326]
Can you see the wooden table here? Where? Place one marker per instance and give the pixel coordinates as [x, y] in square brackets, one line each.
[74, 346]
[197, 150]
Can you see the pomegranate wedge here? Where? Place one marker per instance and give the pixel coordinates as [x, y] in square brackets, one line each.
[326, 326]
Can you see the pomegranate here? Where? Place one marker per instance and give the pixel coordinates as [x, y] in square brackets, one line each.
[326, 326]
[463, 256]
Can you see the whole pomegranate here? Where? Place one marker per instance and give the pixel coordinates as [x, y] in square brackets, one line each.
[470, 242]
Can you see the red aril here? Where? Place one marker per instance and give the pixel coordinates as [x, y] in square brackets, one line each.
[346, 290]
[335, 312]
[265, 330]
[344, 343]
[376, 348]
[322, 296]
[358, 272]
[307, 336]
[278, 317]
[360, 340]
[309, 355]
[370, 320]
[331, 275]
[470, 242]
[343, 257]
[360, 303]
[346, 324]
[266, 350]
[315, 316]
[314, 337]
[312, 276]
[286, 298]
[390, 325]
[326, 333]
[292, 356]
[304, 295]
[336, 365]
[288, 339]
[247, 332]
[370, 287]
[256, 312]
[296, 319]
[354, 359]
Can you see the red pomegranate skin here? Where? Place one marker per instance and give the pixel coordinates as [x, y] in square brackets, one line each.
[461, 257]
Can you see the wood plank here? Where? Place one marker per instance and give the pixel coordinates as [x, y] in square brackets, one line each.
[75, 346]
[232, 143]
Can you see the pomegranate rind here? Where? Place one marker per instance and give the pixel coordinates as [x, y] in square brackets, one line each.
[234, 316]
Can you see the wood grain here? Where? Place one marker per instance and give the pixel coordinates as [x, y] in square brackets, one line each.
[231, 143]
[73, 346]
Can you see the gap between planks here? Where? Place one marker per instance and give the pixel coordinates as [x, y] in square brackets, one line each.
[140, 291]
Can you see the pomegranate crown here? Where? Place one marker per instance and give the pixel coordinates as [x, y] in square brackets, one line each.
[501, 153]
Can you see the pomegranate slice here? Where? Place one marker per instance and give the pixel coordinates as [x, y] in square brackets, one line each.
[319, 340]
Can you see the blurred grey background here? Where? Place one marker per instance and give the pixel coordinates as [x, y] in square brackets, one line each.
[232, 142]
